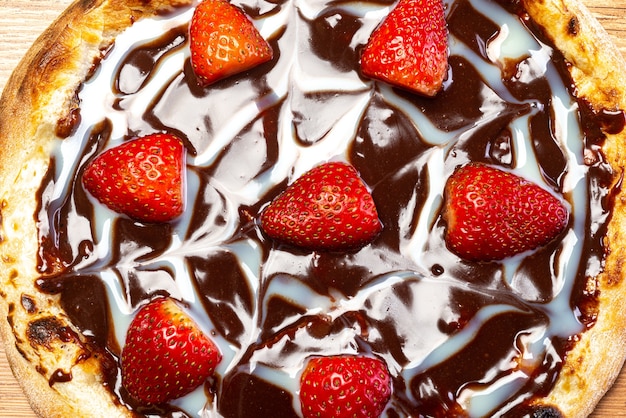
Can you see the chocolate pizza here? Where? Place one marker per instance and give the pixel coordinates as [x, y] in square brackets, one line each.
[261, 209]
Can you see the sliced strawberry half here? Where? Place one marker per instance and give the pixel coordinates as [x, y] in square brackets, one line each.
[327, 208]
[165, 355]
[344, 386]
[410, 47]
[492, 214]
[224, 41]
[142, 178]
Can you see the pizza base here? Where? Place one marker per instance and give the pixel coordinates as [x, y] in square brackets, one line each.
[598, 73]
[36, 96]
[42, 344]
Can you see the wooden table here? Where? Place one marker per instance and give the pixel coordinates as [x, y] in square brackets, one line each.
[21, 21]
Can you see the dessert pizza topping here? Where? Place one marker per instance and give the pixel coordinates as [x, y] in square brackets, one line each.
[142, 178]
[344, 386]
[403, 297]
[492, 214]
[166, 355]
[327, 208]
[410, 48]
[224, 42]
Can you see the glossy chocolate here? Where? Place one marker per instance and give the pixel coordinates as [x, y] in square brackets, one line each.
[458, 337]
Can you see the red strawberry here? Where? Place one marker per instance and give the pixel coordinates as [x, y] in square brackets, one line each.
[327, 208]
[166, 355]
[142, 178]
[224, 41]
[344, 386]
[492, 214]
[410, 48]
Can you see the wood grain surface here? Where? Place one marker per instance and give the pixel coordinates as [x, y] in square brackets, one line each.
[21, 21]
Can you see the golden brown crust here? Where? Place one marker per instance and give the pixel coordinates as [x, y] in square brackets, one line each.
[598, 72]
[39, 93]
[41, 343]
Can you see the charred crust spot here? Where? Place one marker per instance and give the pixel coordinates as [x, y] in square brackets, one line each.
[573, 26]
[44, 331]
[536, 411]
[29, 305]
[543, 411]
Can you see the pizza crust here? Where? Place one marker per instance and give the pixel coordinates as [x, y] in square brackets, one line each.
[598, 72]
[42, 344]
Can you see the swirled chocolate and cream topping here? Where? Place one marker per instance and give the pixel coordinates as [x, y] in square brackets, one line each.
[458, 337]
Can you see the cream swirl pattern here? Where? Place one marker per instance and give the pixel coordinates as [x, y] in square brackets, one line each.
[484, 338]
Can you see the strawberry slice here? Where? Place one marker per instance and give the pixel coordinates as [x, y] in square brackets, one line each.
[492, 214]
[410, 48]
[223, 42]
[142, 178]
[344, 386]
[166, 355]
[327, 208]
